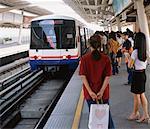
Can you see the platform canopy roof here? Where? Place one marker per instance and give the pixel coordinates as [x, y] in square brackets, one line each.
[23, 5]
[98, 11]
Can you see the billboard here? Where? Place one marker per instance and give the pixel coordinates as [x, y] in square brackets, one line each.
[119, 5]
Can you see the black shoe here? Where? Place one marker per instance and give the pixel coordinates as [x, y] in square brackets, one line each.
[126, 84]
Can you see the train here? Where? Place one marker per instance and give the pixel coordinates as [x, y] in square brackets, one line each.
[57, 41]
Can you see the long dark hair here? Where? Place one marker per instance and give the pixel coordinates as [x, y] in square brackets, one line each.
[95, 42]
[140, 45]
[112, 35]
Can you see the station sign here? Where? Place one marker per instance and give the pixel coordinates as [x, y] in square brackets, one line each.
[131, 19]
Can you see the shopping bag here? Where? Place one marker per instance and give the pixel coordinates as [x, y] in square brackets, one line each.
[99, 116]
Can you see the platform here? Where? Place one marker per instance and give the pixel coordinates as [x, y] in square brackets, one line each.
[63, 114]
[11, 49]
[121, 103]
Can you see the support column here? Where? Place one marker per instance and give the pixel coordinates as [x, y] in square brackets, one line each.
[137, 28]
[143, 24]
[20, 30]
[118, 23]
[110, 26]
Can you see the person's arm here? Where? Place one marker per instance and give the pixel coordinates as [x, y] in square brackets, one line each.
[87, 86]
[132, 59]
[107, 73]
[105, 84]
[131, 63]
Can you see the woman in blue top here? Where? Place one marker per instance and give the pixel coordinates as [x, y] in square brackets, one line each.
[139, 60]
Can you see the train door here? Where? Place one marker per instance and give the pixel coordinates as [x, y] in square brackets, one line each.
[68, 45]
[83, 42]
[35, 51]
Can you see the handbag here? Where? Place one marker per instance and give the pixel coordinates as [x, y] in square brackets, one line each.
[99, 116]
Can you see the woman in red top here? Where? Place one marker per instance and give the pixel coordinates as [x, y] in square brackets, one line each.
[95, 71]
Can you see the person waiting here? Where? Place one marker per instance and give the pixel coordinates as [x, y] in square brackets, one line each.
[139, 61]
[95, 72]
[127, 50]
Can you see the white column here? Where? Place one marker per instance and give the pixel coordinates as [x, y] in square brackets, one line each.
[137, 29]
[143, 24]
[110, 26]
[20, 30]
[118, 23]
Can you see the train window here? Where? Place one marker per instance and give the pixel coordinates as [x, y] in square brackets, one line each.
[52, 38]
[68, 34]
[53, 34]
[44, 35]
[36, 37]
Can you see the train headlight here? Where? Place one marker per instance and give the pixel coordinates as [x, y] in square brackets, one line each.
[39, 57]
[64, 57]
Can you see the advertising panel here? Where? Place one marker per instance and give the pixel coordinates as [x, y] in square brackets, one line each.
[119, 5]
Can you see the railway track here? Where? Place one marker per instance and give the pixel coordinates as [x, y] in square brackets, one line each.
[14, 67]
[28, 101]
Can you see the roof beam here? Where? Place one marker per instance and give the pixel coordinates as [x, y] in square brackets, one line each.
[87, 1]
[95, 15]
[96, 9]
[108, 12]
[103, 2]
[95, 6]
[2, 10]
[95, 2]
[110, 1]
[80, 5]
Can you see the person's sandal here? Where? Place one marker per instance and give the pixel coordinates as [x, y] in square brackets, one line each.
[145, 120]
[136, 117]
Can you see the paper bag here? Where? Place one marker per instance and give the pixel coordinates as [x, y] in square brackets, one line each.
[99, 116]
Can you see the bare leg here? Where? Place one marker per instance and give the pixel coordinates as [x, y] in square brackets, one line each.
[137, 102]
[119, 61]
[144, 105]
[135, 113]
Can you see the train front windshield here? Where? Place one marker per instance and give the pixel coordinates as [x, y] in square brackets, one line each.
[53, 34]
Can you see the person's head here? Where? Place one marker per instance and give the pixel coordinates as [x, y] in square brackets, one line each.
[119, 33]
[128, 30]
[140, 45]
[112, 35]
[125, 35]
[130, 33]
[97, 32]
[100, 33]
[95, 44]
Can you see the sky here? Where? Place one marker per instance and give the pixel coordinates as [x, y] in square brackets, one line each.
[59, 7]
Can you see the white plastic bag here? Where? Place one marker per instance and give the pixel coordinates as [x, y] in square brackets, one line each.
[99, 116]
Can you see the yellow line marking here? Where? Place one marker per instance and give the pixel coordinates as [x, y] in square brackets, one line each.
[78, 112]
